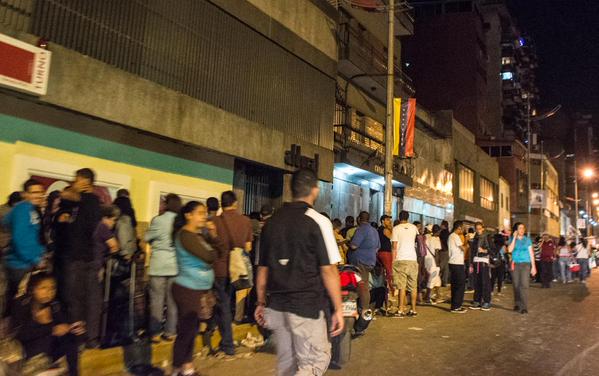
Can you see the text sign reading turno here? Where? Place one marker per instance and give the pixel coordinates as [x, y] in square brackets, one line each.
[23, 67]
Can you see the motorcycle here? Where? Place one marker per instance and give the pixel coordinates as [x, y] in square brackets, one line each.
[355, 321]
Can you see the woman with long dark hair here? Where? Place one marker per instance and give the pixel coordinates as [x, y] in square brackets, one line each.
[125, 227]
[523, 266]
[192, 289]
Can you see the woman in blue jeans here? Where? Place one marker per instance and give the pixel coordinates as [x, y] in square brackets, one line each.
[565, 256]
[523, 266]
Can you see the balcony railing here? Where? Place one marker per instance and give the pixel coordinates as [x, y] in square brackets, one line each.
[364, 51]
[362, 131]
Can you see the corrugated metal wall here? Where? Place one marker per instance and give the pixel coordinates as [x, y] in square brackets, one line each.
[195, 48]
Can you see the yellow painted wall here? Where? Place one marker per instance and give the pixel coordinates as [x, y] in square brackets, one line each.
[140, 177]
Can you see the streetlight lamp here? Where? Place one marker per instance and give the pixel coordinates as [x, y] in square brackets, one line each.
[588, 172]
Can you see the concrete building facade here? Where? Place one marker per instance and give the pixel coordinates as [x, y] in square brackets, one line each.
[232, 94]
[359, 123]
[475, 181]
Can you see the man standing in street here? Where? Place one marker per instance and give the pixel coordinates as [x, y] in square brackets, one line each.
[547, 258]
[384, 255]
[26, 250]
[235, 230]
[83, 289]
[298, 257]
[163, 270]
[443, 256]
[456, 268]
[405, 262]
[364, 245]
[480, 260]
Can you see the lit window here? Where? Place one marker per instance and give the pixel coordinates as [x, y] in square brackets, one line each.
[507, 75]
[487, 194]
[506, 60]
[466, 176]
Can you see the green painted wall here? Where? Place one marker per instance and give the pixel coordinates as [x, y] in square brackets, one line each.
[13, 129]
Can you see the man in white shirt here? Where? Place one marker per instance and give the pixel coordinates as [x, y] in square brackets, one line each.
[456, 268]
[405, 264]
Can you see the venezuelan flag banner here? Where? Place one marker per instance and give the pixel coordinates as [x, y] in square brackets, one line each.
[404, 123]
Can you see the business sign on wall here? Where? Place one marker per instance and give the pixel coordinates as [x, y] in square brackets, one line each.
[23, 67]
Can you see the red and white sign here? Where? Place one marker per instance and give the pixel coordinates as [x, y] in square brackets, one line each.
[23, 67]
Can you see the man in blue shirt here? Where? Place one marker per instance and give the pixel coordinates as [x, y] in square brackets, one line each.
[365, 244]
[26, 250]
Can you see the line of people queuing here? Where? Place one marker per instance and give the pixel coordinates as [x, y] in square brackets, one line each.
[417, 260]
[55, 253]
[58, 251]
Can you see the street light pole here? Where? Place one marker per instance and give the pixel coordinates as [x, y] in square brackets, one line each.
[576, 208]
[529, 119]
[389, 119]
[528, 224]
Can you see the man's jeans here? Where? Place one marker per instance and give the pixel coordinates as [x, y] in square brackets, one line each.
[364, 293]
[84, 291]
[223, 314]
[482, 283]
[303, 347]
[584, 268]
[161, 295]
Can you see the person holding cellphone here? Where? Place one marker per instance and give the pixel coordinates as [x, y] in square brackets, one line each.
[523, 266]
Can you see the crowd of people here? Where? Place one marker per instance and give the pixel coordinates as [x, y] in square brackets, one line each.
[63, 253]
[210, 264]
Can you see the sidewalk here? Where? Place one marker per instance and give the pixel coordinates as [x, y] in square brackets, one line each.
[109, 362]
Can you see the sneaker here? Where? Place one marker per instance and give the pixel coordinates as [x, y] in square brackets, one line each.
[524, 311]
[486, 307]
[399, 315]
[516, 308]
[475, 306]
[459, 310]
[555, 280]
[412, 313]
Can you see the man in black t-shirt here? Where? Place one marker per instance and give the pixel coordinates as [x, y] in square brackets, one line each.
[83, 289]
[298, 257]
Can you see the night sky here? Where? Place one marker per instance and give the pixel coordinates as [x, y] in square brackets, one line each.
[566, 33]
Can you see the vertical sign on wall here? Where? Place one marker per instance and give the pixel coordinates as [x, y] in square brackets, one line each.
[404, 124]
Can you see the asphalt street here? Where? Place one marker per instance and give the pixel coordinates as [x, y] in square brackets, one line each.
[559, 336]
